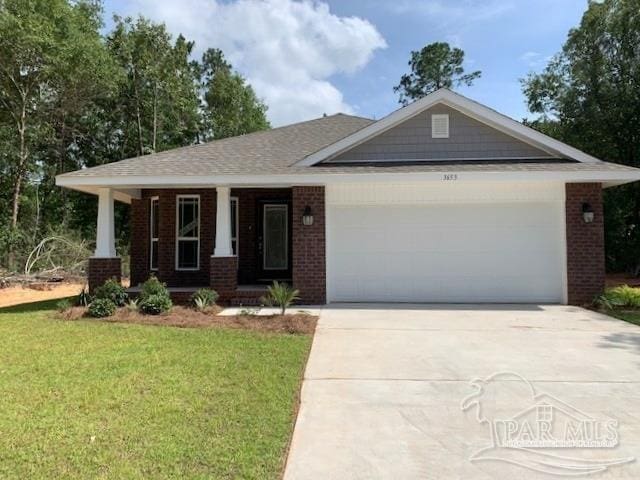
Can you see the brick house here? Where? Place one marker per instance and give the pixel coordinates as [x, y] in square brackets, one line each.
[444, 200]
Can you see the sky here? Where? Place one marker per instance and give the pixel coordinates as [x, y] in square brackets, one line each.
[305, 58]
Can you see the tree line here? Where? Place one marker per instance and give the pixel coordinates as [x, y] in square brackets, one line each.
[73, 97]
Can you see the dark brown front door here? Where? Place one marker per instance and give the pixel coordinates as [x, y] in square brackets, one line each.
[274, 240]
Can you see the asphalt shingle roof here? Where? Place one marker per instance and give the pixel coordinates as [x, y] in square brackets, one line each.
[266, 152]
[275, 151]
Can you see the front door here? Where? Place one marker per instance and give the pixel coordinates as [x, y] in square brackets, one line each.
[274, 239]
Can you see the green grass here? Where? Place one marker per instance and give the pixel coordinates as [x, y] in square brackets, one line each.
[627, 316]
[87, 399]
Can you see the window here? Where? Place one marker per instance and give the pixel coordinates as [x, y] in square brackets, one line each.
[188, 232]
[234, 225]
[440, 126]
[153, 229]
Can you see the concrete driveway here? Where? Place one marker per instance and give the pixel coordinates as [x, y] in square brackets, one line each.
[385, 385]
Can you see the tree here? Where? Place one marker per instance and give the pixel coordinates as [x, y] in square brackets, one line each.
[230, 107]
[51, 59]
[436, 66]
[71, 97]
[590, 94]
[157, 106]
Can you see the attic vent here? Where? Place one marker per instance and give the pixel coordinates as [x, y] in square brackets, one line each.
[440, 126]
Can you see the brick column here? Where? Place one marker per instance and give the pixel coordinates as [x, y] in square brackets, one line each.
[139, 245]
[103, 269]
[585, 243]
[224, 276]
[309, 245]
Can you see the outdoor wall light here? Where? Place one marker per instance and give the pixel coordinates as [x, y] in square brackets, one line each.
[587, 213]
[307, 216]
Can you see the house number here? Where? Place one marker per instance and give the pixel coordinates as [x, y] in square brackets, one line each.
[450, 176]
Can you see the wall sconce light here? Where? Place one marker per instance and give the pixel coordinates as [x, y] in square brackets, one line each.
[587, 213]
[307, 216]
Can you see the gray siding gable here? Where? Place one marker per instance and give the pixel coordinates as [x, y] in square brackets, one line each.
[468, 139]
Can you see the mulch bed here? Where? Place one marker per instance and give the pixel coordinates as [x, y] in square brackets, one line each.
[295, 323]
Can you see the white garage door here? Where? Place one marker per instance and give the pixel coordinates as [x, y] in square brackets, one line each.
[491, 252]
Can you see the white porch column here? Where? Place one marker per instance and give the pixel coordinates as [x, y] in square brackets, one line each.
[105, 234]
[223, 223]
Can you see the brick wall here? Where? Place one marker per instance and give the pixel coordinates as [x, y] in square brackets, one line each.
[103, 269]
[167, 237]
[224, 277]
[309, 245]
[585, 243]
[139, 248]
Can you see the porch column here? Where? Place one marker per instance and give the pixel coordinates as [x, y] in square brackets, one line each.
[105, 234]
[104, 264]
[223, 223]
[223, 265]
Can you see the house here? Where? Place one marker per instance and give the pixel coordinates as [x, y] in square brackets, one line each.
[444, 200]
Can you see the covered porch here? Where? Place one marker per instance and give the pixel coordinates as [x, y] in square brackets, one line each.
[235, 240]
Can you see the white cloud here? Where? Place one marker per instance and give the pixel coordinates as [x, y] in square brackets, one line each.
[287, 49]
[534, 59]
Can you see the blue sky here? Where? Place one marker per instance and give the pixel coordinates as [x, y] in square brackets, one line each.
[310, 58]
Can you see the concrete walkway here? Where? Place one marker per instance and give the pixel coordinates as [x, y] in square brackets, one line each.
[384, 387]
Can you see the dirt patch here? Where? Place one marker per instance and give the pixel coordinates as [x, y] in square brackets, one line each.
[298, 323]
[18, 294]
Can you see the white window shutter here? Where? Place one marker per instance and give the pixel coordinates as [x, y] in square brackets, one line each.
[440, 126]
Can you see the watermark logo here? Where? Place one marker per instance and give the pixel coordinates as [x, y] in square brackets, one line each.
[537, 431]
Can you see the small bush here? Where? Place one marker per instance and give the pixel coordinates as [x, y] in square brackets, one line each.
[102, 307]
[200, 304]
[205, 297]
[114, 291]
[154, 297]
[153, 286]
[133, 306]
[63, 305]
[83, 299]
[622, 296]
[281, 295]
[155, 304]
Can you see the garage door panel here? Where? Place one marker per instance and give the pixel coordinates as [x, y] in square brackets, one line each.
[406, 264]
[445, 253]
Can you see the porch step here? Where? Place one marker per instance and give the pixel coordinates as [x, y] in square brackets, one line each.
[179, 295]
[248, 295]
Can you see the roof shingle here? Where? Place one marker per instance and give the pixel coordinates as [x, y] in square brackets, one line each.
[275, 152]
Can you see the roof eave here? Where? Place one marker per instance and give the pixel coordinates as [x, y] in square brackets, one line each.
[129, 186]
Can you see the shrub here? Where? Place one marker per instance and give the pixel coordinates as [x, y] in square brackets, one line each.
[133, 306]
[622, 296]
[153, 286]
[281, 295]
[102, 307]
[154, 297]
[204, 298]
[63, 305]
[155, 304]
[200, 304]
[114, 291]
[83, 299]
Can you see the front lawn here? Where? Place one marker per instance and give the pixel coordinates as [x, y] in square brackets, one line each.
[627, 316]
[92, 399]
